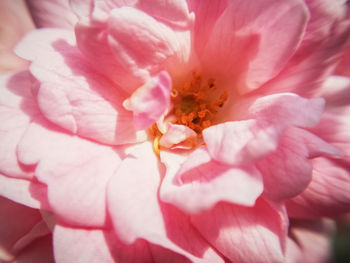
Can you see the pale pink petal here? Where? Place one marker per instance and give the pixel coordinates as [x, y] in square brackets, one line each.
[22, 191]
[95, 245]
[76, 172]
[255, 234]
[293, 252]
[248, 34]
[52, 13]
[178, 136]
[143, 43]
[137, 213]
[245, 141]
[314, 239]
[289, 167]
[73, 95]
[16, 108]
[198, 183]
[15, 21]
[328, 193]
[326, 36]
[15, 222]
[207, 12]
[150, 101]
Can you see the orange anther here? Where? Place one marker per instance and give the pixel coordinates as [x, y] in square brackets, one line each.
[174, 93]
[202, 114]
[206, 124]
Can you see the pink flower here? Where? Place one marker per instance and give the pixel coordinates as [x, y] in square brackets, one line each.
[176, 130]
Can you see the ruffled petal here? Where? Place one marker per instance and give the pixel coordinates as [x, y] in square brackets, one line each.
[256, 234]
[178, 136]
[247, 50]
[328, 193]
[289, 167]
[52, 13]
[137, 213]
[73, 95]
[267, 118]
[95, 245]
[76, 172]
[197, 183]
[16, 109]
[150, 101]
[326, 36]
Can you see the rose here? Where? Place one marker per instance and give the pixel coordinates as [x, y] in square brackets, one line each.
[92, 89]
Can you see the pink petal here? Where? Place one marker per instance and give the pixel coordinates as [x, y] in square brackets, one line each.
[141, 42]
[137, 213]
[255, 234]
[197, 183]
[15, 21]
[314, 239]
[328, 193]
[73, 95]
[288, 167]
[248, 140]
[247, 50]
[75, 170]
[22, 191]
[178, 136]
[90, 246]
[16, 108]
[325, 38]
[53, 13]
[150, 101]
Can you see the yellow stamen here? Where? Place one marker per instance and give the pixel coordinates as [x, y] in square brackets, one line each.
[156, 145]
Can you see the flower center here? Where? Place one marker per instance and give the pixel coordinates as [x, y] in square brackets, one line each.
[195, 104]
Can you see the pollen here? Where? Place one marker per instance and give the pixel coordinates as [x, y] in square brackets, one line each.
[195, 103]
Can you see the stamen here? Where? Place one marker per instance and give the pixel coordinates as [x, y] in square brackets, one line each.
[195, 107]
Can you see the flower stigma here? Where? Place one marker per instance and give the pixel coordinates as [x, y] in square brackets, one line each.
[194, 105]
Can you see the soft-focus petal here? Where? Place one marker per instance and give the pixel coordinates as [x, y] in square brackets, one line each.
[179, 136]
[15, 21]
[136, 212]
[197, 183]
[76, 172]
[255, 234]
[327, 34]
[95, 245]
[328, 193]
[255, 40]
[150, 101]
[52, 13]
[15, 222]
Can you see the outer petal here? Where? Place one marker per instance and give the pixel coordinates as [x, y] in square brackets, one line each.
[90, 246]
[327, 34]
[16, 109]
[249, 32]
[22, 191]
[137, 213]
[197, 183]
[73, 95]
[313, 238]
[15, 21]
[328, 193]
[288, 167]
[150, 101]
[75, 170]
[52, 13]
[16, 222]
[254, 234]
[246, 141]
